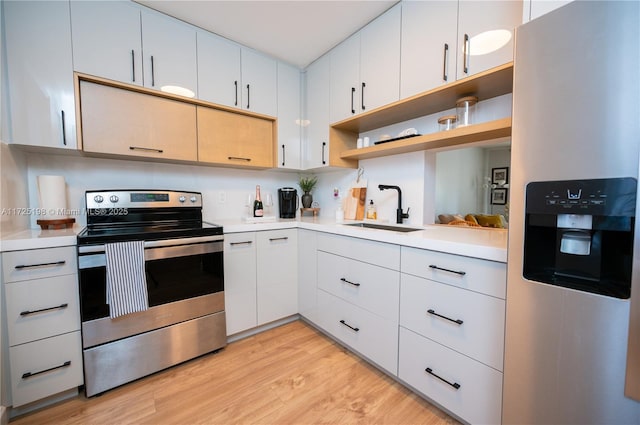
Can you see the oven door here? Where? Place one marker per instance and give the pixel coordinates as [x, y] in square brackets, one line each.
[185, 280]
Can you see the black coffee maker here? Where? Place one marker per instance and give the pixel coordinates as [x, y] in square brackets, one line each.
[288, 202]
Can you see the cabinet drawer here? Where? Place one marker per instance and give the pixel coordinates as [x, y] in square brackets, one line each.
[480, 333]
[55, 365]
[42, 308]
[38, 263]
[372, 336]
[378, 253]
[373, 288]
[487, 277]
[477, 400]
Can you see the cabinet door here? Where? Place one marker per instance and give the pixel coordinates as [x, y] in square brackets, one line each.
[277, 274]
[483, 28]
[540, 7]
[240, 281]
[380, 61]
[345, 79]
[428, 49]
[106, 40]
[316, 144]
[289, 114]
[234, 139]
[307, 274]
[122, 122]
[218, 70]
[39, 74]
[169, 48]
[259, 80]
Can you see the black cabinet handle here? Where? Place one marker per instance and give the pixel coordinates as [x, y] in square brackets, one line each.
[32, 266]
[445, 77]
[140, 148]
[235, 83]
[40, 372]
[283, 155]
[42, 310]
[430, 372]
[284, 238]
[349, 326]
[248, 96]
[353, 94]
[238, 158]
[153, 73]
[432, 312]
[64, 129]
[461, 273]
[133, 66]
[465, 57]
[362, 96]
[324, 144]
[350, 283]
[241, 243]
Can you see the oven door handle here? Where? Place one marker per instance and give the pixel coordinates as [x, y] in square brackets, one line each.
[91, 249]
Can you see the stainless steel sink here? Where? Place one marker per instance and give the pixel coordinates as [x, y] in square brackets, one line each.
[384, 227]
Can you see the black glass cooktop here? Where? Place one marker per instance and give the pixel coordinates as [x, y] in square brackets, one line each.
[147, 232]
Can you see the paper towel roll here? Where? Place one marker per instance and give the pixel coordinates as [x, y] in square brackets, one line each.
[52, 195]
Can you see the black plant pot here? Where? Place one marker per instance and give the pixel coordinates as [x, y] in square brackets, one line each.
[307, 199]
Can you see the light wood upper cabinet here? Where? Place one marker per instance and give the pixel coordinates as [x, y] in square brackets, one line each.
[39, 74]
[124, 122]
[219, 74]
[478, 25]
[428, 45]
[229, 138]
[98, 48]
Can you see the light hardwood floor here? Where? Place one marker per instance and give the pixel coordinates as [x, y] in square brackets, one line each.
[288, 375]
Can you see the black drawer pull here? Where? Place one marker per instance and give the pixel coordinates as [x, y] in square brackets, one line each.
[284, 238]
[430, 372]
[241, 243]
[42, 310]
[458, 321]
[350, 283]
[447, 270]
[32, 374]
[141, 148]
[238, 158]
[31, 266]
[349, 326]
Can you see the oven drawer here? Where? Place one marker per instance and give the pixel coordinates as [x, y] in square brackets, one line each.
[42, 308]
[46, 367]
[38, 263]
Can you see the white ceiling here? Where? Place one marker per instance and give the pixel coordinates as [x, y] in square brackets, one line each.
[295, 31]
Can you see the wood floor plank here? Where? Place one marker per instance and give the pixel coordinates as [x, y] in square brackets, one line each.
[292, 374]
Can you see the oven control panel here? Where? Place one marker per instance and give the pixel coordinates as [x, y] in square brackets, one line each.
[142, 199]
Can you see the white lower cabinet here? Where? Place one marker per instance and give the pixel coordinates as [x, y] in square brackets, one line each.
[465, 387]
[43, 322]
[307, 274]
[240, 281]
[372, 336]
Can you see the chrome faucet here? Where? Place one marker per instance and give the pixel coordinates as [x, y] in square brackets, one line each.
[399, 214]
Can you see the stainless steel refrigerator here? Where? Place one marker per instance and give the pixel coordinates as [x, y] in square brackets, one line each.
[572, 353]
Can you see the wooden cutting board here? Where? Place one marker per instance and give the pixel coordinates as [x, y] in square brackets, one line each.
[360, 195]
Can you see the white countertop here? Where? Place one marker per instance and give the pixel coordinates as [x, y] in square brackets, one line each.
[488, 244]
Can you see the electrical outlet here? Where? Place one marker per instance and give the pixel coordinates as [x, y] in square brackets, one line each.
[222, 197]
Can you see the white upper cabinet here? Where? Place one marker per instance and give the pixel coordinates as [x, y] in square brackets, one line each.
[429, 34]
[100, 49]
[532, 9]
[289, 117]
[169, 48]
[219, 74]
[485, 34]
[259, 83]
[365, 68]
[317, 117]
[39, 73]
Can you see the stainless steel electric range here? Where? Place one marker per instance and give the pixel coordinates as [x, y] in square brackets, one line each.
[183, 268]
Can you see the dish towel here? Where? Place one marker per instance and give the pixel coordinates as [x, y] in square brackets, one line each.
[126, 279]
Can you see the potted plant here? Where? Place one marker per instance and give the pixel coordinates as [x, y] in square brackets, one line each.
[307, 183]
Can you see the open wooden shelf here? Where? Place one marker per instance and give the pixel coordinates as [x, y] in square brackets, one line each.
[442, 139]
[485, 85]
